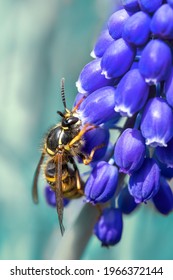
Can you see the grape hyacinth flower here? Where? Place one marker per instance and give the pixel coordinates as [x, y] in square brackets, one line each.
[102, 183]
[156, 122]
[126, 95]
[130, 151]
[109, 227]
[145, 182]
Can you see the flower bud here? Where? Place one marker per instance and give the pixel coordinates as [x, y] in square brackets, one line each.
[126, 202]
[165, 154]
[155, 62]
[98, 107]
[108, 228]
[169, 88]
[162, 22]
[91, 78]
[145, 182]
[131, 93]
[51, 198]
[117, 59]
[94, 138]
[137, 29]
[131, 5]
[150, 6]
[102, 44]
[163, 200]
[101, 184]
[156, 122]
[129, 151]
[116, 23]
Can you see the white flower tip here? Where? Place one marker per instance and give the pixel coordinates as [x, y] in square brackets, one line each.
[124, 111]
[92, 54]
[80, 88]
[104, 72]
[151, 81]
[155, 142]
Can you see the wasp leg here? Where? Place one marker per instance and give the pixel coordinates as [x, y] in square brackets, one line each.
[86, 128]
[79, 183]
[78, 104]
[88, 158]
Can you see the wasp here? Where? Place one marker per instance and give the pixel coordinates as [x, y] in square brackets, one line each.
[63, 143]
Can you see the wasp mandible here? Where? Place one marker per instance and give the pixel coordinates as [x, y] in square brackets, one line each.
[63, 143]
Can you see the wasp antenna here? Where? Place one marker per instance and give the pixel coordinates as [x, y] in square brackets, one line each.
[63, 92]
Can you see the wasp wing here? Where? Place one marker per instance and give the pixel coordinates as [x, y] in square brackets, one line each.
[37, 172]
[58, 190]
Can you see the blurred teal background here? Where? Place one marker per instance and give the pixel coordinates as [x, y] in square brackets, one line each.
[41, 42]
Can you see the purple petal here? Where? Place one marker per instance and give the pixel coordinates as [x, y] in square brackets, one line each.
[117, 59]
[155, 62]
[131, 93]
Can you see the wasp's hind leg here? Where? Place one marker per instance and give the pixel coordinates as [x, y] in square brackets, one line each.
[88, 158]
[79, 182]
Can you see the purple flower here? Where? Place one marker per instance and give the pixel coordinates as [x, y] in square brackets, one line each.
[93, 138]
[117, 59]
[98, 107]
[162, 22]
[51, 198]
[169, 88]
[165, 154]
[145, 182]
[156, 122]
[91, 78]
[103, 42]
[131, 93]
[137, 29]
[116, 23]
[126, 202]
[108, 228]
[150, 6]
[131, 5]
[155, 62]
[101, 184]
[129, 151]
[163, 200]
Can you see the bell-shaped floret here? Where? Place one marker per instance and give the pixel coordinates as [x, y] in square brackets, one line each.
[96, 138]
[91, 78]
[103, 42]
[137, 29]
[117, 59]
[98, 107]
[156, 122]
[163, 200]
[162, 22]
[129, 151]
[131, 93]
[101, 184]
[150, 6]
[145, 182]
[156, 60]
[108, 228]
[116, 23]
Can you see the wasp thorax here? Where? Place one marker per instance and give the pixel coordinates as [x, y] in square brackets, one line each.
[70, 122]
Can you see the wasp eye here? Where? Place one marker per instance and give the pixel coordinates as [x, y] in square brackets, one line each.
[70, 121]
